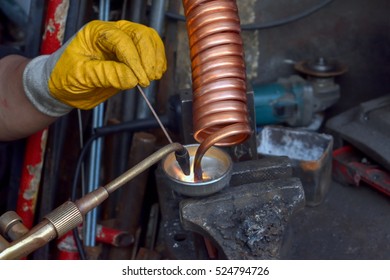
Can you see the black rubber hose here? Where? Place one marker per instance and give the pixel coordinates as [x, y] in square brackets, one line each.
[130, 126]
[14, 12]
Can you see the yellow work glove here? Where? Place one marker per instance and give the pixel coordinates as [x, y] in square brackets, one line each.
[102, 59]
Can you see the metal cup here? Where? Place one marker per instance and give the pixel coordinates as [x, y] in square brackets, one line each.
[216, 166]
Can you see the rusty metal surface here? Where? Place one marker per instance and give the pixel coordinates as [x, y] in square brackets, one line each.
[352, 167]
[31, 177]
[267, 168]
[55, 22]
[248, 221]
[147, 254]
[55, 19]
[115, 237]
[173, 241]
[180, 243]
[310, 154]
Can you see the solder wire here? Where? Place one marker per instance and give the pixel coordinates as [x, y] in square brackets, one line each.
[155, 114]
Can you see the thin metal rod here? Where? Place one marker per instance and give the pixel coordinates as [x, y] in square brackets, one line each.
[155, 114]
[157, 17]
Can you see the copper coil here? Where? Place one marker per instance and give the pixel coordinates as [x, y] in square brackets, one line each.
[228, 111]
[221, 52]
[214, 40]
[210, 8]
[222, 118]
[203, 22]
[214, 28]
[215, 96]
[221, 86]
[189, 5]
[218, 72]
[230, 67]
[220, 113]
[237, 131]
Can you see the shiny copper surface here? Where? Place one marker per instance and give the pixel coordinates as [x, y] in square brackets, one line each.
[221, 86]
[230, 63]
[235, 132]
[205, 21]
[220, 114]
[222, 52]
[189, 5]
[195, 10]
[213, 28]
[217, 72]
[215, 40]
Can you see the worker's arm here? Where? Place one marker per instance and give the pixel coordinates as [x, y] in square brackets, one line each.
[102, 59]
[18, 116]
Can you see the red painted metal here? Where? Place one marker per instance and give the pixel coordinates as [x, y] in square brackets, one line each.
[67, 249]
[31, 177]
[36, 143]
[352, 167]
[57, 11]
[113, 236]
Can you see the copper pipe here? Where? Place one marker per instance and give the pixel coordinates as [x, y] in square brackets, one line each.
[220, 113]
[237, 132]
[208, 7]
[218, 68]
[221, 52]
[189, 5]
[218, 71]
[205, 16]
[213, 28]
[215, 40]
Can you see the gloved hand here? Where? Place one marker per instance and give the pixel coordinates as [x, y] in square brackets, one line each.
[99, 61]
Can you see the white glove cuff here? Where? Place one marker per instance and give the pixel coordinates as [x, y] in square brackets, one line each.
[35, 83]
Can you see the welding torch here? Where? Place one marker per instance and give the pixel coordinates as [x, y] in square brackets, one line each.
[70, 214]
[182, 155]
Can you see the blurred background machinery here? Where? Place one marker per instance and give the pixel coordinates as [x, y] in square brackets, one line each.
[294, 100]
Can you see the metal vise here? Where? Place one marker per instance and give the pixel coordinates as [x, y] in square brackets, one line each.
[246, 220]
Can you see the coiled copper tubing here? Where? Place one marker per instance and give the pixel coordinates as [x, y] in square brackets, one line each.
[220, 114]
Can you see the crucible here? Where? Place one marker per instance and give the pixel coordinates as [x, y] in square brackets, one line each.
[216, 166]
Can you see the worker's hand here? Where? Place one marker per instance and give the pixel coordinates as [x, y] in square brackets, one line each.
[99, 61]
